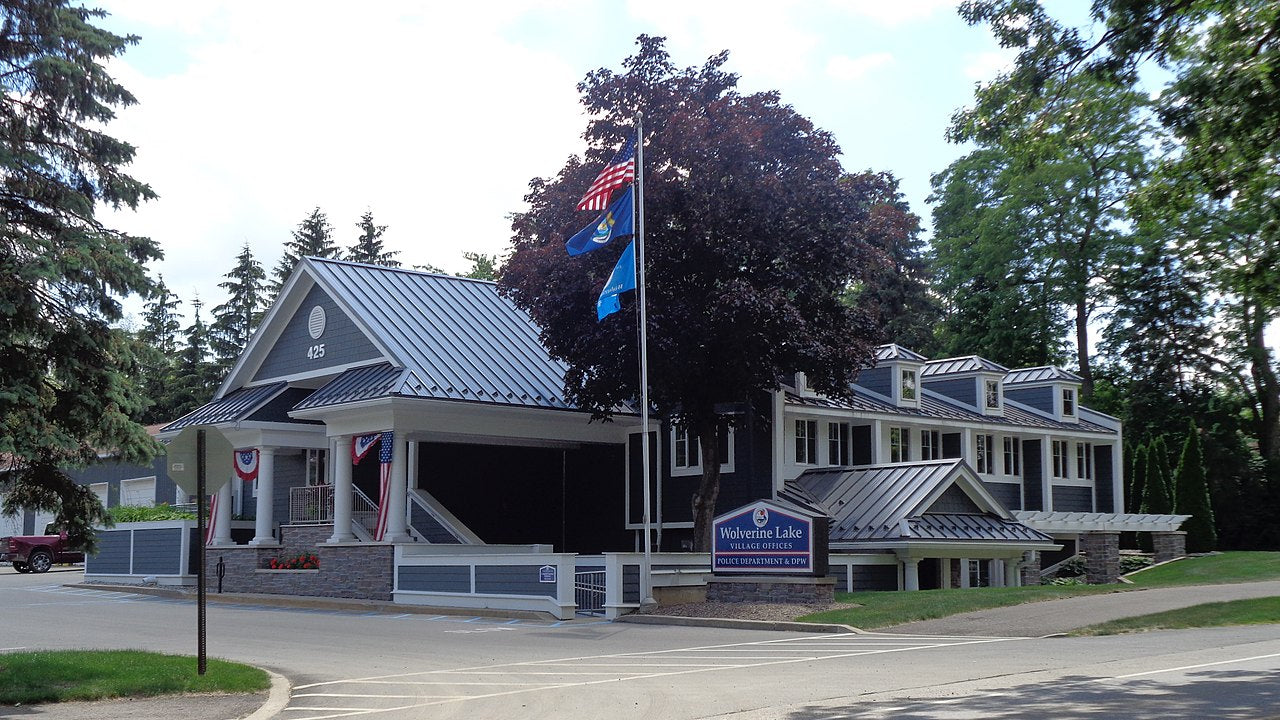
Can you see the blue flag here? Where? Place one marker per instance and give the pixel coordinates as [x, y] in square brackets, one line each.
[622, 279]
[616, 221]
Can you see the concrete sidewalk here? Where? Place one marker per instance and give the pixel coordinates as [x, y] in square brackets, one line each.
[1051, 617]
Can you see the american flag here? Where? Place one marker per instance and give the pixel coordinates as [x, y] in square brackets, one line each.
[213, 519]
[620, 171]
[386, 451]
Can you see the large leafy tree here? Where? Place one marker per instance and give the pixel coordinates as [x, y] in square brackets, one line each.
[312, 238]
[65, 381]
[753, 235]
[235, 320]
[368, 247]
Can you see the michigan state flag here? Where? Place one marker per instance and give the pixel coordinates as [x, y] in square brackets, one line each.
[616, 221]
[622, 279]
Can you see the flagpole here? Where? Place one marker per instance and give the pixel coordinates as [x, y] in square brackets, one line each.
[646, 576]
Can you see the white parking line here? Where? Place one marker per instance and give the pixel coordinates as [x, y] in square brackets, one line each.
[1188, 667]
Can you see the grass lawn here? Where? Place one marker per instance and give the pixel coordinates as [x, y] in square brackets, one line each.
[57, 676]
[1255, 611]
[882, 609]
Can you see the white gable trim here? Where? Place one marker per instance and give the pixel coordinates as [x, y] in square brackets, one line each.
[291, 295]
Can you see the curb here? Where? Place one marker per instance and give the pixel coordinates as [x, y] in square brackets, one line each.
[317, 603]
[280, 694]
[734, 624]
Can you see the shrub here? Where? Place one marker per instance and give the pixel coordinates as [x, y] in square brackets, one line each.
[143, 513]
[1130, 563]
[304, 561]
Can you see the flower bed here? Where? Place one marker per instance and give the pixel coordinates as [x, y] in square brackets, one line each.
[304, 561]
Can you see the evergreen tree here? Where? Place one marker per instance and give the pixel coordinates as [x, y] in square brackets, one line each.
[368, 247]
[483, 267]
[66, 374]
[196, 375]
[1134, 500]
[313, 238]
[1159, 459]
[236, 319]
[158, 347]
[1155, 490]
[1192, 496]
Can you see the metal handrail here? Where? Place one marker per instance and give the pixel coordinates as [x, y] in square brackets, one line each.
[364, 511]
[311, 505]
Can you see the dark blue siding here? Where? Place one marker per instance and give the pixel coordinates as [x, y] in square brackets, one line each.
[112, 472]
[157, 552]
[1040, 398]
[112, 557]
[877, 380]
[631, 583]
[1032, 475]
[436, 578]
[953, 500]
[962, 389]
[512, 580]
[875, 577]
[1072, 499]
[1009, 494]
[290, 471]
[343, 342]
[1104, 483]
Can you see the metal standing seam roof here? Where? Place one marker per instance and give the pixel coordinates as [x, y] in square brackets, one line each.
[961, 365]
[457, 338]
[1044, 373]
[884, 502]
[933, 407]
[355, 384]
[894, 351]
[234, 406]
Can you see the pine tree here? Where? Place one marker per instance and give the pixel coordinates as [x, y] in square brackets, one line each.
[67, 373]
[368, 247]
[237, 318]
[483, 267]
[196, 375]
[313, 238]
[1137, 480]
[1192, 496]
[158, 346]
[1155, 491]
[1159, 459]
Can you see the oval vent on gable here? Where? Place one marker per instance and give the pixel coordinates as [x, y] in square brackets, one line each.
[315, 323]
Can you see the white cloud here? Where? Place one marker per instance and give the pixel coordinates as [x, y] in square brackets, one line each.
[895, 12]
[984, 66]
[843, 67]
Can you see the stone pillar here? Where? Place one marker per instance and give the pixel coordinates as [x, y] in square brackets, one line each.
[222, 517]
[1101, 551]
[341, 454]
[911, 574]
[266, 498]
[1169, 545]
[398, 503]
[1031, 569]
[1011, 574]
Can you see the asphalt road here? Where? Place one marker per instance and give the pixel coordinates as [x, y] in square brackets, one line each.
[393, 666]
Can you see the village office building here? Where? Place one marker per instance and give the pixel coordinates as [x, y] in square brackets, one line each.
[947, 473]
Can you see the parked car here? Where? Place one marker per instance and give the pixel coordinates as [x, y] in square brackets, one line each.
[38, 553]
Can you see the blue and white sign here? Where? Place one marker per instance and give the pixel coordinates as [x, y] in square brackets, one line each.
[762, 538]
[547, 574]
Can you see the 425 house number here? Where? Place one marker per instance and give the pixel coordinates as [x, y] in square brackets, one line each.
[315, 352]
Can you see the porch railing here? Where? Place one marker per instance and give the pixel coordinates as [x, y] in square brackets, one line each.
[311, 505]
[364, 512]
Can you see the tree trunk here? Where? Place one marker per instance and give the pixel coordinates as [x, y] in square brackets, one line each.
[704, 501]
[1082, 347]
[1266, 386]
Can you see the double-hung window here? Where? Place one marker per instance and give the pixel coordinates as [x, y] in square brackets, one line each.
[1084, 461]
[685, 448]
[985, 458]
[908, 384]
[1012, 456]
[806, 442]
[992, 394]
[686, 453]
[837, 443]
[930, 445]
[899, 444]
[1060, 469]
[1068, 402]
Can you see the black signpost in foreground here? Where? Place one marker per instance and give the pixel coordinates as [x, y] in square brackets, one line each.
[202, 502]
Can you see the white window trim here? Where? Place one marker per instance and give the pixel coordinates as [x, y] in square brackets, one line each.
[988, 448]
[148, 478]
[935, 447]
[104, 497]
[904, 432]
[794, 441]
[1075, 403]
[725, 467]
[1071, 480]
[1004, 466]
[982, 393]
[845, 438]
[896, 386]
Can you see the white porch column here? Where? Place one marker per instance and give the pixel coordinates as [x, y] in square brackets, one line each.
[964, 573]
[222, 518]
[341, 453]
[1046, 474]
[266, 496]
[910, 573]
[1011, 574]
[944, 573]
[398, 503]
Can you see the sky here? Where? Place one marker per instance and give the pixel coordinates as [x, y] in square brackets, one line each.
[435, 116]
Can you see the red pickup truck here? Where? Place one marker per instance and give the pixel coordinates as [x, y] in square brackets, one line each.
[38, 553]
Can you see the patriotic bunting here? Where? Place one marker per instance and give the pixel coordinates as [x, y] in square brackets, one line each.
[385, 453]
[361, 445]
[247, 464]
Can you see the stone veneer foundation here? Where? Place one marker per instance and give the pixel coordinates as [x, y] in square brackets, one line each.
[807, 590]
[1169, 545]
[1101, 552]
[347, 570]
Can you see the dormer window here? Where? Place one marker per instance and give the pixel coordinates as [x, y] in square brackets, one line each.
[908, 384]
[991, 393]
[1068, 402]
